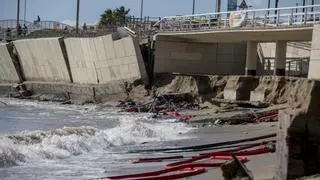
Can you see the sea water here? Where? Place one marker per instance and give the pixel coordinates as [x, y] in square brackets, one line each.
[46, 140]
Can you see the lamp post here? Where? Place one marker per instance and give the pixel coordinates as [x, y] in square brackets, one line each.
[141, 11]
[269, 4]
[25, 11]
[218, 6]
[276, 12]
[77, 18]
[193, 6]
[18, 13]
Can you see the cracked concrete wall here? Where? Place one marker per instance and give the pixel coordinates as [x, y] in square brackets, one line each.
[42, 60]
[8, 72]
[103, 59]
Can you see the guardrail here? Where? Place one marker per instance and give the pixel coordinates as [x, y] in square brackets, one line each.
[12, 23]
[295, 66]
[259, 18]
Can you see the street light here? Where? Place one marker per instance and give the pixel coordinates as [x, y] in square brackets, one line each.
[77, 21]
[269, 4]
[18, 13]
[193, 6]
[141, 11]
[276, 12]
[218, 6]
[25, 10]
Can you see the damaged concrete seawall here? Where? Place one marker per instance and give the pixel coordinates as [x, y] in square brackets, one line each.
[267, 89]
[42, 60]
[8, 73]
[88, 69]
[104, 59]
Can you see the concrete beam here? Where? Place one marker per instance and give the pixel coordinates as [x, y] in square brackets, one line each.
[251, 61]
[280, 58]
[261, 35]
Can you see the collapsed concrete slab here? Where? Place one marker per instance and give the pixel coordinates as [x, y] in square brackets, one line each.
[8, 72]
[239, 87]
[104, 59]
[42, 60]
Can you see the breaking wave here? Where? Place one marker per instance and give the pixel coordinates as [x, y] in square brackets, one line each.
[74, 141]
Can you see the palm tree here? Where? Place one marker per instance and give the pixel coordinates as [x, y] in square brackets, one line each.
[121, 14]
[106, 18]
[114, 17]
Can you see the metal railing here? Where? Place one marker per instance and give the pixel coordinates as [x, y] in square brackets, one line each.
[144, 28]
[36, 25]
[295, 66]
[31, 27]
[259, 18]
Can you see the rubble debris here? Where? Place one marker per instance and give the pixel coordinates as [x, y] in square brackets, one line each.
[161, 103]
[237, 117]
[1, 102]
[218, 122]
[314, 177]
[273, 116]
[235, 169]
[247, 104]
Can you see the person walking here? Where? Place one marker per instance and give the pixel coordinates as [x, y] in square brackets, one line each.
[25, 30]
[8, 34]
[84, 28]
[19, 30]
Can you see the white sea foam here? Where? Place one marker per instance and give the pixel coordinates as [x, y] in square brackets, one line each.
[74, 141]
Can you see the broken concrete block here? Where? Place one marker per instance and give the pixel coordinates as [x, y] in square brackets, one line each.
[240, 87]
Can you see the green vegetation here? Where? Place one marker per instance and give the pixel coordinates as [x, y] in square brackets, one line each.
[114, 17]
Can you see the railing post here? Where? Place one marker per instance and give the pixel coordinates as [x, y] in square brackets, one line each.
[278, 17]
[305, 16]
[289, 69]
[253, 18]
[265, 20]
[300, 66]
[291, 17]
[314, 16]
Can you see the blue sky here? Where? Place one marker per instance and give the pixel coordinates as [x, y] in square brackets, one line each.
[64, 10]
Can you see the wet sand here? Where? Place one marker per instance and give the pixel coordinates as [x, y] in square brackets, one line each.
[262, 166]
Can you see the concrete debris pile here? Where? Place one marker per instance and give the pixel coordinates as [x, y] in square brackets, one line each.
[162, 105]
[202, 88]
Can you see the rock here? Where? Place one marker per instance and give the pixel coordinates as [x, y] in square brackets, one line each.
[218, 122]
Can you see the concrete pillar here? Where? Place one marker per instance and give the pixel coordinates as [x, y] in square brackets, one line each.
[280, 58]
[251, 62]
[314, 65]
